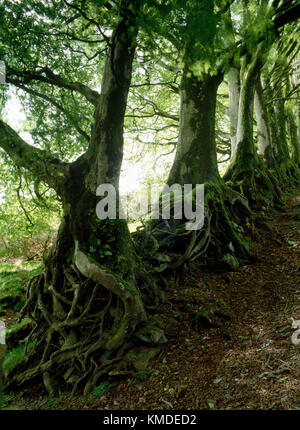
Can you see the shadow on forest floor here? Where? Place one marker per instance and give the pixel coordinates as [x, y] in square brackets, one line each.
[229, 337]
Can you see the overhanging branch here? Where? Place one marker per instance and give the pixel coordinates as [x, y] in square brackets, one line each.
[40, 163]
[46, 75]
[72, 119]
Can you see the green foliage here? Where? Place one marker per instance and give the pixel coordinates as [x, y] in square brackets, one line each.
[16, 327]
[141, 375]
[5, 399]
[15, 356]
[13, 279]
[102, 389]
[29, 213]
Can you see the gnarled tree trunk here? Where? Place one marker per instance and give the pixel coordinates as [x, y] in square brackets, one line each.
[196, 163]
[196, 158]
[86, 304]
[246, 170]
[242, 163]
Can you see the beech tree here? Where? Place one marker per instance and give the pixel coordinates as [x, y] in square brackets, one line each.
[87, 302]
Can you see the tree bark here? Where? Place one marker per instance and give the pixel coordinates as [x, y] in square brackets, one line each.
[196, 163]
[243, 161]
[247, 171]
[234, 95]
[264, 143]
[196, 157]
[293, 133]
[279, 107]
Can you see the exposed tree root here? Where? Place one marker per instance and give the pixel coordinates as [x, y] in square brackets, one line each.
[260, 186]
[168, 244]
[288, 174]
[82, 327]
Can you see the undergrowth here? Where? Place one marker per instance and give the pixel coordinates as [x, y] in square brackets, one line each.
[13, 280]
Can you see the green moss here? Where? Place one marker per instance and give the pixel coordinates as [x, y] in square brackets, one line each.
[128, 286]
[102, 389]
[17, 326]
[15, 356]
[107, 243]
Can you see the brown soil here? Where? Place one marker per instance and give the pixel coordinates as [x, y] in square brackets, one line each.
[229, 337]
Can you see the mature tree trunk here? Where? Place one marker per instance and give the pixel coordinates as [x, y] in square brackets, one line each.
[242, 163]
[295, 123]
[196, 163]
[246, 171]
[284, 164]
[86, 304]
[290, 152]
[264, 143]
[274, 132]
[283, 150]
[296, 81]
[293, 133]
[234, 95]
[196, 158]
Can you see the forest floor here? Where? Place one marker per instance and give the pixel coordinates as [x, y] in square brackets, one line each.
[229, 337]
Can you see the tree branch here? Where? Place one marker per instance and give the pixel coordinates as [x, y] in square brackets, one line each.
[53, 79]
[40, 163]
[72, 120]
[70, 36]
[156, 111]
[21, 203]
[90, 20]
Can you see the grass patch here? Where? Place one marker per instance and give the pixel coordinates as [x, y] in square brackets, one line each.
[13, 279]
[102, 389]
[5, 399]
[15, 356]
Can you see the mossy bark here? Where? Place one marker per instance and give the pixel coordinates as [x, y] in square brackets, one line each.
[293, 133]
[283, 150]
[264, 142]
[195, 159]
[247, 172]
[243, 161]
[234, 95]
[285, 165]
[168, 242]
